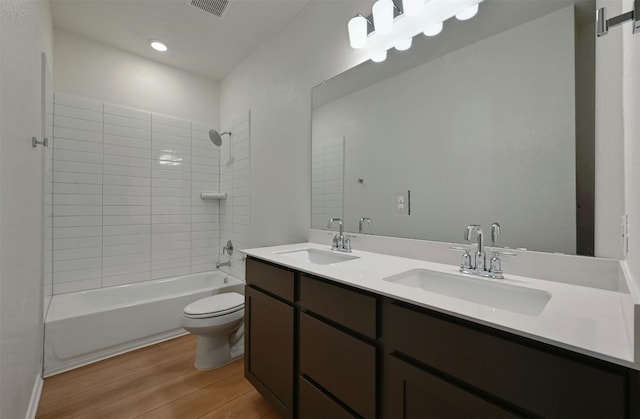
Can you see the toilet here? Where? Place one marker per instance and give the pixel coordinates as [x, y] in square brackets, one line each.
[218, 323]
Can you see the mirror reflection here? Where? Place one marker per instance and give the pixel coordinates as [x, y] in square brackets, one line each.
[491, 121]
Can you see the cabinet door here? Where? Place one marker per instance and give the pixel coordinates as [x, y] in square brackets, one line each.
[414, 393]
[268, 360]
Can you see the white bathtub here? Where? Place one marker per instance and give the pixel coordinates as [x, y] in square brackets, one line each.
[87, 326]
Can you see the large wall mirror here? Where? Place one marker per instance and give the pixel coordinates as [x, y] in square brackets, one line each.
[490, 121]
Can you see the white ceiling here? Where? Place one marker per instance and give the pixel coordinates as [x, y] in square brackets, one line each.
[198, 42]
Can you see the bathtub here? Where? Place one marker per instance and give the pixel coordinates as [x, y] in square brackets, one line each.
[87, 326]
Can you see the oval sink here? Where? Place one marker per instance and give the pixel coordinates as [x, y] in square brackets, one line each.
[318, 257]
[476, 290]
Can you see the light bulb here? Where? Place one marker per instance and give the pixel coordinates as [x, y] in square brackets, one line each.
[158, 45]
[404, 44]
[433, 30]
[467, 13]
[357, 32]
[379, 57]
[383, 16]
[412, 7]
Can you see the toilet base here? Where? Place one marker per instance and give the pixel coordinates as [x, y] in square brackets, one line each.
[212, 352]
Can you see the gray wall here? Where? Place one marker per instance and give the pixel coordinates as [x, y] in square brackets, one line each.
[25, 31]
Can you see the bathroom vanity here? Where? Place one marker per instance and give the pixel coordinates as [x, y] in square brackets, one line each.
[329, 335]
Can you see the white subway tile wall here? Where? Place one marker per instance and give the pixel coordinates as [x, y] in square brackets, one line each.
[126, 197]
[126, 186]
[327, 182]
[235, 180]
[77, 194]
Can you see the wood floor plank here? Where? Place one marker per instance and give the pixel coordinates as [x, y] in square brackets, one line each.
[116, 367]
[113, 379]
[249, 406]
[139, 403]
[273, 414]
[154, 382]
[99, 395]
[204, 400]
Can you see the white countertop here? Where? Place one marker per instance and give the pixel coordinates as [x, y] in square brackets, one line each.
[585, 320]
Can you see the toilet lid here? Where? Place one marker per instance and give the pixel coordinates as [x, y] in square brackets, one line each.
[216, 305]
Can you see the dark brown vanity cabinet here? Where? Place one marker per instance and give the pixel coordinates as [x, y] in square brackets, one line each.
[320, 349]
[457, 368]
[269, 333]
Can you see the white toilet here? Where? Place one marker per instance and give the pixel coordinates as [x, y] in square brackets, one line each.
[217, 321]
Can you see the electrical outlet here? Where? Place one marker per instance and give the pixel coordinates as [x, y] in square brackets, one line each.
[402, 203]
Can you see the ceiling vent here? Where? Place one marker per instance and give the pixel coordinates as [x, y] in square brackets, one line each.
[210, 7]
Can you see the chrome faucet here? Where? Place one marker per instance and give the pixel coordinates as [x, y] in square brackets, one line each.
[494, 270]
[341, 242]
[363, 220]
[481, 259]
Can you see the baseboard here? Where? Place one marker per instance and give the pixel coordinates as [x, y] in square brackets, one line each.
[35, 398]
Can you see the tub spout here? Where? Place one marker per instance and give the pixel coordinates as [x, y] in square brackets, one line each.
[221, 264]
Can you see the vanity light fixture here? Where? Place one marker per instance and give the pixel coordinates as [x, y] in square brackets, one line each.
[412, 7]
[358, 31]
[382, 11]
[403, 44]
[417, 16]
[379, 56]
[434, 30]
[158, 45]
[467, 13]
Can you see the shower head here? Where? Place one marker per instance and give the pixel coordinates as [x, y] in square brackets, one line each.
[216, 137]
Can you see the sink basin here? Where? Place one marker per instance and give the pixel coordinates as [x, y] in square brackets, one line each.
[318, 257]
[476, 290]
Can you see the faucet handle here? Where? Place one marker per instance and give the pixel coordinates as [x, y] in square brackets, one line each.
[495, 265]
[347, 242]
[465, 266]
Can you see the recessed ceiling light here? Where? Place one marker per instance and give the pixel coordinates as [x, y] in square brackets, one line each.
[158, 45]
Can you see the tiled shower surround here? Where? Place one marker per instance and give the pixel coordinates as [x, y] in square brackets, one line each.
[126, 196]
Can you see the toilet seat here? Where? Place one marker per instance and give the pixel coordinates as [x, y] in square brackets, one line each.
[215, 306]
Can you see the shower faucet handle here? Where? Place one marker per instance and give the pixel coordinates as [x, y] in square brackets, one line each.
[228, 249]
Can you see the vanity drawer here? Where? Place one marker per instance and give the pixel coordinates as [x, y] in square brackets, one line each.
[343, 365]
[275, 280]
[314, 404]
[346, 307]
[506, 367]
